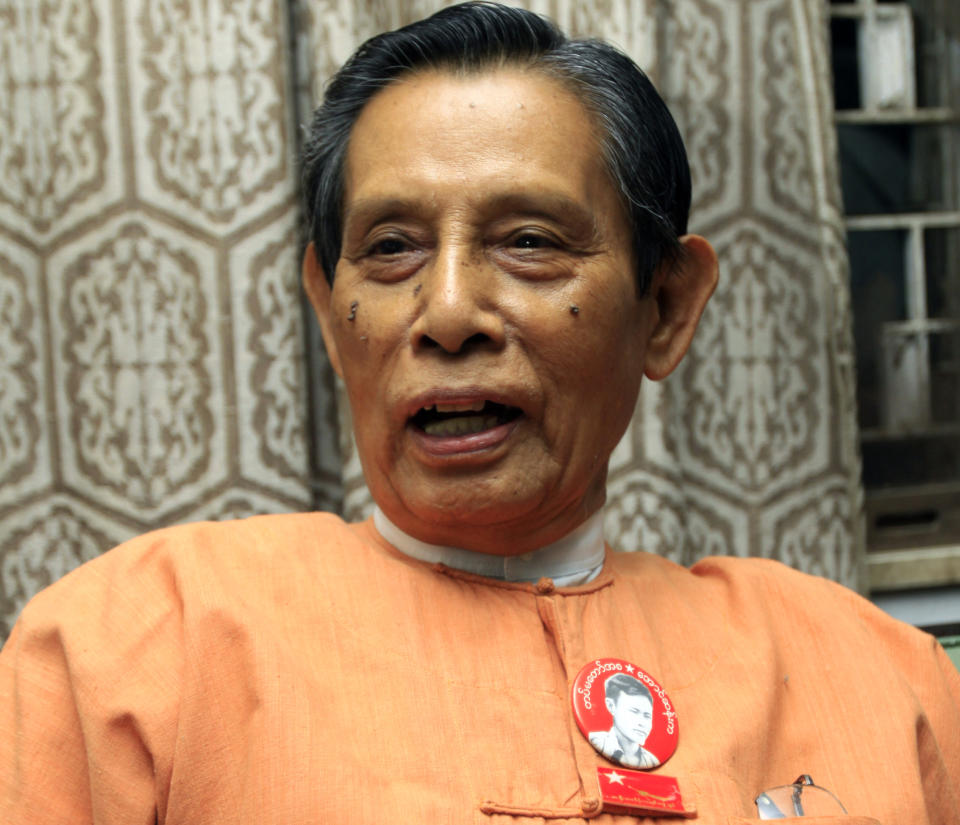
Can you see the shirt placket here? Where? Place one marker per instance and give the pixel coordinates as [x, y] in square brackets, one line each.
[554, 611]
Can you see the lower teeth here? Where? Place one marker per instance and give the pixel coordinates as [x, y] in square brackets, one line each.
[464, 425]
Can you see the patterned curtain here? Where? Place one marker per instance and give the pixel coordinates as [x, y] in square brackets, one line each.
[157, 364]
[152, 362]
[751, 448]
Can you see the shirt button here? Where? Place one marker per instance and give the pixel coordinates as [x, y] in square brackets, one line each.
[590, 805]
[545, 586]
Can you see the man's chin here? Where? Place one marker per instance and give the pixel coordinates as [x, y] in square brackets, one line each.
[485, 498]
[497, 509]
[470, 523]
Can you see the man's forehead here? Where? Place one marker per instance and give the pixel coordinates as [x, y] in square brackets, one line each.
[484, 110]
[503, 140]
[634, 698]
[510, 199]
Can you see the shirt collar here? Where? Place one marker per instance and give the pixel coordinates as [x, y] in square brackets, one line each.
[575, 559]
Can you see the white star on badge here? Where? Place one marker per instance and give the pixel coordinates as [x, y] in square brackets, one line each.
[615, 778]
[629, 668]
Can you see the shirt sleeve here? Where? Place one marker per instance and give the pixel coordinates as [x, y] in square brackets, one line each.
[44, 772]
[84, 703]
[939, 745]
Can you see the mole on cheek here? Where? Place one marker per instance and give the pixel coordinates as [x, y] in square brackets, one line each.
[574, 309]
[416, 289]
[353, 310]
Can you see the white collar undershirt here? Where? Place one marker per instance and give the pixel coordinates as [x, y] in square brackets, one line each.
[575, 559]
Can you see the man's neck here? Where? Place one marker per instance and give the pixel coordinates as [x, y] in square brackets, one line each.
[575, 559]
[629, 746]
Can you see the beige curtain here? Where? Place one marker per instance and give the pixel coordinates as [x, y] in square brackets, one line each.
[751, 448]
[152, 362]
[157, 365]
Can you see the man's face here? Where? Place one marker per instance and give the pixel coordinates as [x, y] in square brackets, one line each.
[483, 314]
[632, 717]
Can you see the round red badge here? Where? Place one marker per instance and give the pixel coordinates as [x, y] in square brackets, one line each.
[625, 714]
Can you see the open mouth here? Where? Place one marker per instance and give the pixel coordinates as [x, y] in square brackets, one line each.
[450, 420]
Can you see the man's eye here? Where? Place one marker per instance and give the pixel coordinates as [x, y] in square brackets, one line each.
[529, 240]
[388, 246]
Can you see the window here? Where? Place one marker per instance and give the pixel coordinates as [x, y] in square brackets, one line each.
[897, 92]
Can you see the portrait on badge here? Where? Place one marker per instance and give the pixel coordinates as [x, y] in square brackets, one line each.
[631, 706]
[497, 254]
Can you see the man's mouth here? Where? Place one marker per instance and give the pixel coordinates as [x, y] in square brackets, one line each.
[452, 420]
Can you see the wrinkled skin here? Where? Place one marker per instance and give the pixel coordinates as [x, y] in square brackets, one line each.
[486, 257]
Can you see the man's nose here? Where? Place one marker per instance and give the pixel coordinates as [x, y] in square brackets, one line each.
[458, 309]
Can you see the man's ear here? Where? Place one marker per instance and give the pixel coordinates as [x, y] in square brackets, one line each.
[681, 292]
[319, 292]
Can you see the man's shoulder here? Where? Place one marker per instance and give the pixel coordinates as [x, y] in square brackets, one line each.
[156, 569]
[211, 541]
[757, 595]
[731, 573]
[603, 740]
[785, 590]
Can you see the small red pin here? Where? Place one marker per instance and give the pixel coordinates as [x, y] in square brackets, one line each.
[632, 792]
[625, 714]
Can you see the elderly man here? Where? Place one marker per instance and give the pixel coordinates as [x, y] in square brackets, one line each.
[499, 256]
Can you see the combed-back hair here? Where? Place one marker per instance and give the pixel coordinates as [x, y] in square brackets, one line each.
[642, 148]
[622, 683]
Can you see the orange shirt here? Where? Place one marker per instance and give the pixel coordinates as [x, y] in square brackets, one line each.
[294, 669]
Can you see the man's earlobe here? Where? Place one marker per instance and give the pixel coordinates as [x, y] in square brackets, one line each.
[319, 292]
[681, 293]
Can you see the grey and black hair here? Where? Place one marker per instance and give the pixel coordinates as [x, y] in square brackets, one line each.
[642, 148]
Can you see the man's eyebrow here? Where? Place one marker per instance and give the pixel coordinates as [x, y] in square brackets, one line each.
[544, 204]
[551, 205]
[371, 209]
